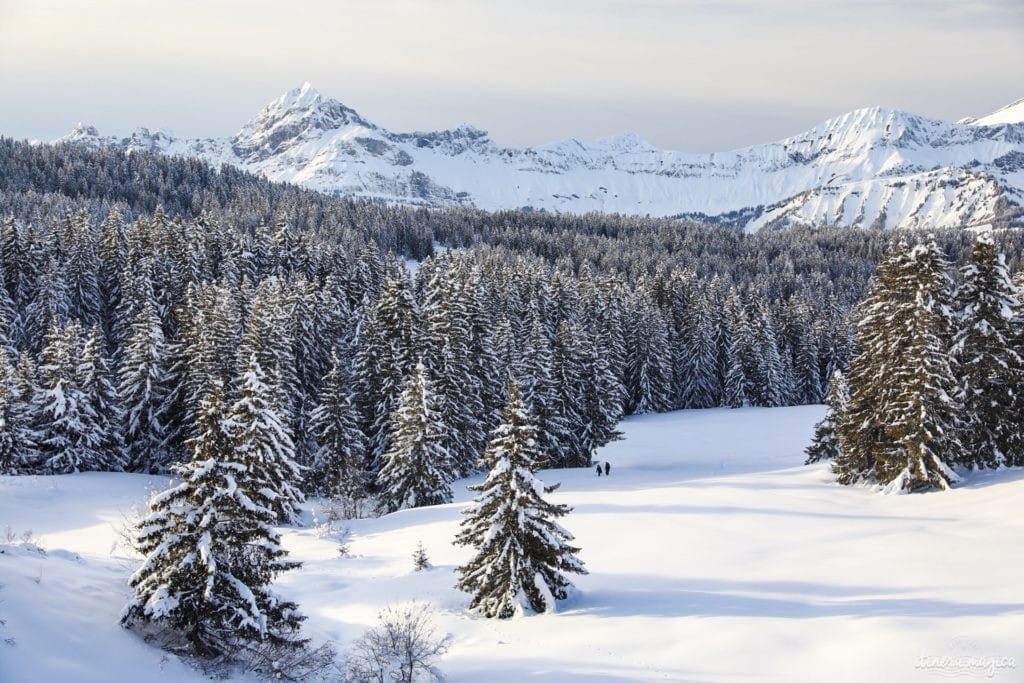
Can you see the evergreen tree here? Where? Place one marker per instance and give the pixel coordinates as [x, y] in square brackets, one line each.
[69, 435]
[386, 354]
[99, 392]
[699, 356]
[337, 465]
[10, 451]
[144, 389]
[991, 371]
[900, 426]
[825, 444]
[417, 468]
[924, 422]
[212, 552]
[862, 435]
[522, 553]
[262, 440]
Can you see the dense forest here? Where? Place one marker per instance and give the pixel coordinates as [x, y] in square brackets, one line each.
[134, 285]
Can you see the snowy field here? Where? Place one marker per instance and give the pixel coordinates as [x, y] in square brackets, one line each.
[714, 556]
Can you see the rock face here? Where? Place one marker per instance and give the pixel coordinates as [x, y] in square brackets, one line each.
[870, 168]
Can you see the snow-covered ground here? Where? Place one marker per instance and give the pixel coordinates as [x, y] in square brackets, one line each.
[714, 556]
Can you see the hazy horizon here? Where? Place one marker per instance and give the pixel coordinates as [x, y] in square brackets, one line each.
[691, 75]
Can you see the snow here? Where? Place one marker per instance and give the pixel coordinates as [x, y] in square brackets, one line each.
[1011, 113]
[868, 167]
[714, 555]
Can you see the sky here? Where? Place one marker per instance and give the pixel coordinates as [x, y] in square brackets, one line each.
[692, 75]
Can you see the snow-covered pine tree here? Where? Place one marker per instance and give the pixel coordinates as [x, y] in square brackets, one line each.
[211, 551]
[825, 444]
[924, 423]
[69, 435]
[991, 373]
[541, 395]
[446, 346]
[862, 435]
[772, 380]
[10, 319]
[10, 452]
[143, 385]
[262, 440]
[386, 353]
[900, 427]
[417, 468]
[649, 373]
[522, 553]
[700, 388]
[735, 332]
[420, 561]
[337, 465]
[98, 390]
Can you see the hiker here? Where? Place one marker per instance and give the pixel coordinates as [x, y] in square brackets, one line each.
[607, 469]
[599, 469]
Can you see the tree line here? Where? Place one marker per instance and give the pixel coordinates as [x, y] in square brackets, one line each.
[937, 382]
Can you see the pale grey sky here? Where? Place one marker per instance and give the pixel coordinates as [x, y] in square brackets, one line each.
[695, 75]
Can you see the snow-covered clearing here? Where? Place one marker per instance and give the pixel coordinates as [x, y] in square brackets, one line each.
[714, 556]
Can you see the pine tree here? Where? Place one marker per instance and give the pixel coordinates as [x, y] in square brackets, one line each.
[417, 468]
[10, 451]
[145, 391]
[734, 378]
[420, 561]
[386, 355]
[69, 434]
[522, 553]
[991, 371]
[337, 465]
[262, 440]
[924, 422]
[825, 444]
[699, 356]
[99, 392]
[212, 552]
[900, 428]
[541, 395]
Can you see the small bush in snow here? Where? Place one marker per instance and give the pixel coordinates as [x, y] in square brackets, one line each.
[401, 649]
[420, 561]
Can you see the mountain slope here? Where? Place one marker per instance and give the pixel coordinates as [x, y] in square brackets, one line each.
[868, 168]
[1011, 113]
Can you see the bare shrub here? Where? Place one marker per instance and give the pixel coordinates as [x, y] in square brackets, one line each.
[400, 649]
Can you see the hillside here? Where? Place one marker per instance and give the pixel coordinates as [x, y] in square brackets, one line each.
[714, 556]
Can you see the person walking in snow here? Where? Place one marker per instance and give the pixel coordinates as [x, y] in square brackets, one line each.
[607, 469]
[599, 469]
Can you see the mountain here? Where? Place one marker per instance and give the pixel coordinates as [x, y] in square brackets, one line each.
[869, 168]
[1011, 113]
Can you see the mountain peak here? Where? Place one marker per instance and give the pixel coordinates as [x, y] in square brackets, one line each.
[302, 97]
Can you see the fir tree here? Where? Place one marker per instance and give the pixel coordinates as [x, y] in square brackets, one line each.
[522, 553]
[991, 372]
[10, 451]
[825, 444]
[337, 465]
[69, 435]
[262, 440]
[212, 552]
[420, 561]
[923, 424]
[417, 468]
[144, 390]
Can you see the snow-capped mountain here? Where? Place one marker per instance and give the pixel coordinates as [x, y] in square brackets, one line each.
[868, 168]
